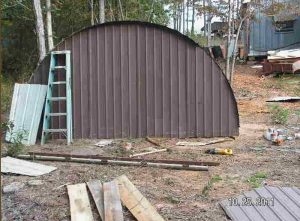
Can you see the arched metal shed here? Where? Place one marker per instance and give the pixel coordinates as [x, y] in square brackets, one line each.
[137, 79]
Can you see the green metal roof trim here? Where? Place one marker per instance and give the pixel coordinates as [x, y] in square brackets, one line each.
[25, 113]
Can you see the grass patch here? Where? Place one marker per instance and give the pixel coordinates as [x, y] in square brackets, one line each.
[210, 184]
[288, 83]
[256, 179]
[279, 115]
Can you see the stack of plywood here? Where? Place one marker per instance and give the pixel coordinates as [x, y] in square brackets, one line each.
[107, 198]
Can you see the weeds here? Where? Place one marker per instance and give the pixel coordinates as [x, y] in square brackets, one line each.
[15, 147]
[279, 115]
[255, 180]
[169, 181]
[210, 183]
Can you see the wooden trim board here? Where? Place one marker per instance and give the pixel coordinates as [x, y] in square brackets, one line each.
[112, 203]
[136, 203]
[96, 189]
[79, 203]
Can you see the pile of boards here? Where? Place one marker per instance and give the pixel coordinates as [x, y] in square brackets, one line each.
[282, 61]
[107, 198]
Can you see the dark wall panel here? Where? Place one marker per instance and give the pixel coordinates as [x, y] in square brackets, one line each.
[135, 79]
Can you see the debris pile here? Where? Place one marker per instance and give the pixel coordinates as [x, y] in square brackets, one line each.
[278, 136]
[282, 61]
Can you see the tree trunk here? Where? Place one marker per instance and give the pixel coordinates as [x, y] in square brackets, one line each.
[234, 50]
[101, 11]
[228, 42]
[204, 19]
[193, 18]
[92, 11]
[40, 29]
[187, 16]
[209, 18]
[179, 17]
[183, 16]
[49, 25]
[121, 10]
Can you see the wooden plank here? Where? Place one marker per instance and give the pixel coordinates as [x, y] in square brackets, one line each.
[112, 207]
[136, 203]
[186, 143]
[79, 203]
[95, 187]
[149, 152]
[23, 167]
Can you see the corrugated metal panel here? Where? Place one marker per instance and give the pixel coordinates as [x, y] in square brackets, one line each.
[26, 110]
[263, 36]
[136, 79]
[264, 204]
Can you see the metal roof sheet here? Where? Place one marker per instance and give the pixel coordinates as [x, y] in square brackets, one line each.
[266, 203]
[26, 110]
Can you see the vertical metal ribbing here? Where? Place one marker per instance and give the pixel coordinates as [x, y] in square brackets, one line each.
[138, 81]
[128, 83]
[89, 82]
[121, 96]
[154, 86]
[212, 98]
[98, 83]
[80, 68]
[195, 69]
[204, 93]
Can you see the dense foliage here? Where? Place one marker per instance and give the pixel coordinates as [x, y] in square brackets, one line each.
[20, 53]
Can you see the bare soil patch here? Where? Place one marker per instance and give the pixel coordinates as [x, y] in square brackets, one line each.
[177, 195]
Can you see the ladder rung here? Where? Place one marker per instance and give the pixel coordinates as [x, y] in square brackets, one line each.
[55, 130]
[58, 67]
[61, 52]
[56, 98]
[56, 114]
[58, 82]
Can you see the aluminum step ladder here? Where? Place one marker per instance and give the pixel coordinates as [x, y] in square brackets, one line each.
[54, 70]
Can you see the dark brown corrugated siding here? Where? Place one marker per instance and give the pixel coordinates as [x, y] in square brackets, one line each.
[135, 79]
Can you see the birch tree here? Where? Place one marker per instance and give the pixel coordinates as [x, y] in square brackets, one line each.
[40, 29]
[102, 11]
[193, 17]
[227, 73]
[209, 18]
[92, 11]
[245, 14]
[49, 25]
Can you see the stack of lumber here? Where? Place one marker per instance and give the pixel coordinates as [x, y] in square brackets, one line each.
[282, 61]
[107, 198]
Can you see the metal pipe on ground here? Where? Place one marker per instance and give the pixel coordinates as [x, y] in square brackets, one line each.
[144, 163]
[103, 158]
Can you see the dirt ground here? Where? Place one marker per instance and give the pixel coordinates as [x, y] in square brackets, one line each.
[179, 194]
